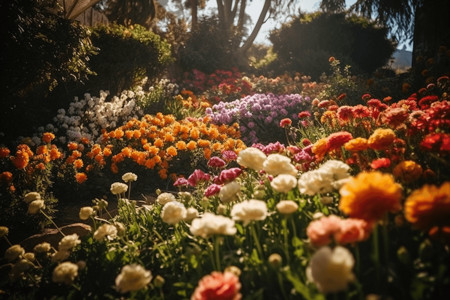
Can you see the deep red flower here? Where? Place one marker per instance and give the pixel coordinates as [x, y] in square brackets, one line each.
[338, 139]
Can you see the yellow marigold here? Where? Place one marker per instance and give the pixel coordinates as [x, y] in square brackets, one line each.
[172, 151]
[80, 177]
[329, 117]
[357, 144]
[429, 207]
[320, 147]
[192, 145]
[47, 137]
[181, 145]
[407, 171]
[381, 139]
[370, 195]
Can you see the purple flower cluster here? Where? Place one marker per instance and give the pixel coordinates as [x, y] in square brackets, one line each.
[258, 114]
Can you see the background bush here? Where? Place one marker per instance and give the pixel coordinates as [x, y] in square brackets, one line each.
[305, 44]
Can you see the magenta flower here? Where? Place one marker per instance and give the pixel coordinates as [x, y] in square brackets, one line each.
[212, 190]
[180, 182]
[229, 175]
[216, 162]
[197, 176]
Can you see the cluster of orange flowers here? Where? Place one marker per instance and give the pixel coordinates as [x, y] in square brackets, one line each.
[153, 142]
[24, 159]
[190, 100]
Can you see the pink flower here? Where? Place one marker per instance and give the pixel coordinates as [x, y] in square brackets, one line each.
[216, 162]
[380, 163]
[181, 181]
[229, 175]
[352, 231]
[285, 122]
[212, 190]
[197, 176]
[229, 155]
[218, 286]
[338, 139]
[320, 232]
[304, 114]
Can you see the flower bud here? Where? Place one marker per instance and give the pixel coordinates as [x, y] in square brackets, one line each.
[159, 281]
[403, 255]
[233, 269]
[3, 231]
[275, 260]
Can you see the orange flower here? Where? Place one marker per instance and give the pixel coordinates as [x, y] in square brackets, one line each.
[158, 143]
[84, 140]
[80, 177]
[21, 159]
[163, 173]
[168, 137]
[320, 148]
[6, 176]
[136, 134]
[357, 144]
[381, 139]
[192, 145]
[78, 164]
[118, 133]
[207, 153]
[126, 151]
[26, 149]
[150, 163]
[370, 195]
[72, 146]
[203, 143]
[89, 168]
[54, 153]
[107, 152]
[114, 168]
[429, 207]
[47, 137]
[42, 150]
[129, 134]
[172, 151]
[40, 166]
[216, 146]
[181, 145]
[213, 133]
[4, 152]
[195, 134]
[407, 171]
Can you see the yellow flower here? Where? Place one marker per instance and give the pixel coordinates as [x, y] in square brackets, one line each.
[381, 139]
[357, 144]
[370, 195]
[407, 171]
[320, 148]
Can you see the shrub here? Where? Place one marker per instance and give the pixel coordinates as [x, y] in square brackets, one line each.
[126, 56]
[305, 44]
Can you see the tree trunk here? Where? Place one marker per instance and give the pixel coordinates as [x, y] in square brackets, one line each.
[194, 13]
[248, 43]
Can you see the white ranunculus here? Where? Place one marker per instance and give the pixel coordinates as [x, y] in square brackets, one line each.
[133, 278]
[30, 197]
[164, 198]
[60, 256]
[336, 168]
[331, 269]
[35, 206]
[287, 207]
[105, 230]
[127, 177]
[229, 191]
[42, 248]
[276, 164]
[65, 272]
[313, 182]
[191, 213]
[249, 210]
[118, 188]
[211, 224]
[68, 242]
[283, 183]
[14, 252]
[173, 212]
[86, 212]
[252, 158]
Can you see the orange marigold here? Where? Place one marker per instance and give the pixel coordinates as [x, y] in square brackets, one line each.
[370, 195]
[381, 139]
[54, 153]
[6, 176]
[118, 133]
[114, 168]
[172, 151]
[195, 133]
[20, 161]
[428, 208]
[203, 143]
[84, 140]
[78, 164]
[158, 143]
[357, 144]
[107, 152]
[191, 145]
[4, 152]
[320, 147]
[80, 177]
[163, 173]
[42, 149]
[207, 153]
[181, 145]
[407, 171]
[72, 146]
[47, 137]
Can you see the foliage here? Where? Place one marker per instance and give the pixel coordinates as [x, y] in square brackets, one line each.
[309, 40]
[127, 55]
[208, 48]
[41, 50]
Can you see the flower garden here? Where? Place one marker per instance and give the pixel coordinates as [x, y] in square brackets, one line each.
[235, 187]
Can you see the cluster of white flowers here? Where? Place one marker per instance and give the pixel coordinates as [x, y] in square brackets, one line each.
[276, 164]
[330, 176]
[66, 244]
[105, 231]
[249, 210]
[252, 158]
[283, 183]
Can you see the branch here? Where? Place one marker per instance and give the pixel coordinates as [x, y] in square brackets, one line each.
[248, 43]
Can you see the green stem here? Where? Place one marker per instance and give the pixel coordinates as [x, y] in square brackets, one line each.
[285, 235]
[216, 251]
[294, 229]
[280, 282]
[255, 237]
[50, 219]
[129, 190]
[376, 254]
[386, 239]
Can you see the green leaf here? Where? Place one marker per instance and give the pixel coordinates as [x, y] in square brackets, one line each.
[300, 287]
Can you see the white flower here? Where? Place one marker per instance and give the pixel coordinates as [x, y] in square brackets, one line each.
[173, 212]
[30, 197]
[249, 210]
[210, 224]
[14, 252]
[164, 198]
[287, 207]
[105, 230]
[127, 177]
[191, 213]
[229, 192]
[252, 158]
[68, 242]
[60, 256]
[283, 183]
[118, 188]
[331, 270]
[133, 278]
[336, 168]
[86, 212]
[313, 182]
[42, 247]
[65, 272]
[35, 206]
[276, 164]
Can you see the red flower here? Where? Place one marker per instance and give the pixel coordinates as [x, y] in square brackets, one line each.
[304, 114]
[338, 139]
[366, 97]
[380, 163]
[360, 111]
[436, 142]
[285, 122]
[197, 176]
